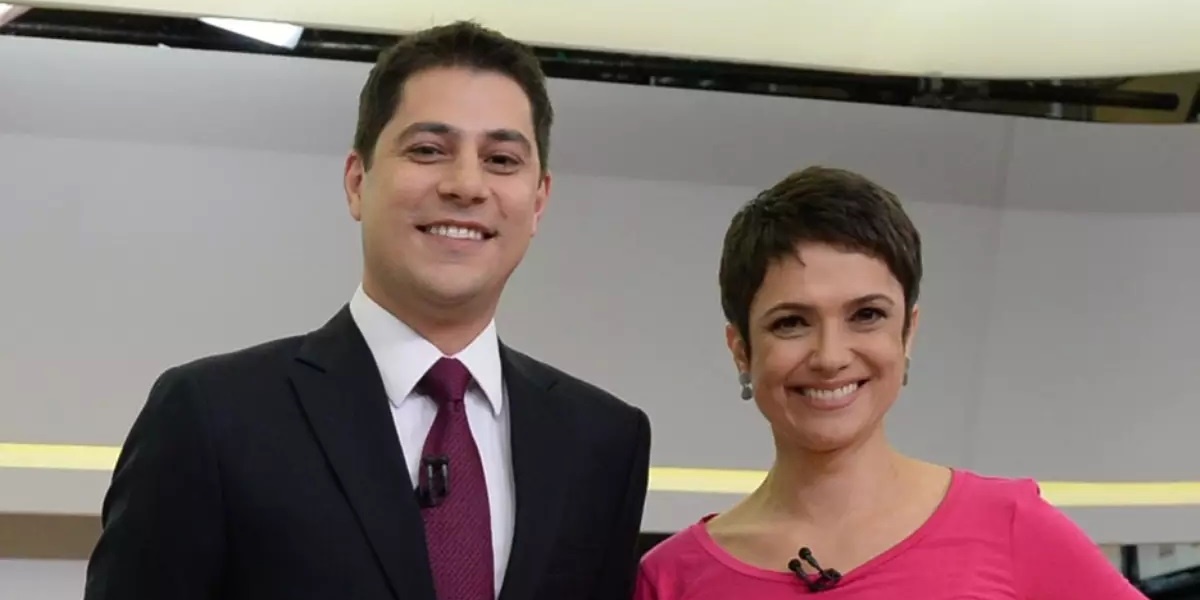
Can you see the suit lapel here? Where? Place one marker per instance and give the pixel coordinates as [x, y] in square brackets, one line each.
[541, 449]
[342, 394]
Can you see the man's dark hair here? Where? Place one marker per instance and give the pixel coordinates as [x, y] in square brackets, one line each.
[823, 205]
[460, 44]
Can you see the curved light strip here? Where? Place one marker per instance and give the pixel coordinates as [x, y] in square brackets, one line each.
[952, 38]
[676, 479]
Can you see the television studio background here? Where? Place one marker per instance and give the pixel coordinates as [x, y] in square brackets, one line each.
[170, 187]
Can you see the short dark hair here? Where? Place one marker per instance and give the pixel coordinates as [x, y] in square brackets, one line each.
[818, 204]
[459, 44]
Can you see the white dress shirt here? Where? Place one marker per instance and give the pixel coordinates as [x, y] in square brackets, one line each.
[403, 358]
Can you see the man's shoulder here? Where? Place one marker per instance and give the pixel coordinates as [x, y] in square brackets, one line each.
[577, 390]
[270, 354]
[245, 383]
[241, 372]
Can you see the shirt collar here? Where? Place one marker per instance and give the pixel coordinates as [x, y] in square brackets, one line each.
[403, 356]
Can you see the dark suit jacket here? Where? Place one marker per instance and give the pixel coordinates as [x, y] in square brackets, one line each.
[276, 472]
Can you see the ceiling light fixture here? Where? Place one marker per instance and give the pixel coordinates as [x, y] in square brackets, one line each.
[276, 34]
[8, 12]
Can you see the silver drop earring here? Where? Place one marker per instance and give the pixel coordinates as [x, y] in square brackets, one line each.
[747, 391]
[907, 362]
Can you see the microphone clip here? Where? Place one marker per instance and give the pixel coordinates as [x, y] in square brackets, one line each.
[435, 471]
[825, 579]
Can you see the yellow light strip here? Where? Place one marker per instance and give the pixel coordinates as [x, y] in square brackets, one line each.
[676, 479]
[1060, 493]
[58, 456]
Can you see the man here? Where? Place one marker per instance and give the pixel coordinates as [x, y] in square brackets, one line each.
[400, 451]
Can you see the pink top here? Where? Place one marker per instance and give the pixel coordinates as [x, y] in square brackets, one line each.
[990, 539]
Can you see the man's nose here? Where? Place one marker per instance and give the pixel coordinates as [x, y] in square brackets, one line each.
[464, 182]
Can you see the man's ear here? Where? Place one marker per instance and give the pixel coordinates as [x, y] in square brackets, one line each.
[541, 198]
[354, 173]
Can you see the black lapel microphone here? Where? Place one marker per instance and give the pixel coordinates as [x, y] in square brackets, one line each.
[826, 578]
[436, 487]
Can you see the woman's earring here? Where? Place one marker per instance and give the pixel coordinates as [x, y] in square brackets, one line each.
[747, 391]
[907, 362]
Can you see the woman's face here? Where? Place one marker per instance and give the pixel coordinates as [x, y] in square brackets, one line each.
[827, 346]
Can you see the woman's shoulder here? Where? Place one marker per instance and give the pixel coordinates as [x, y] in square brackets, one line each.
[983, 504]
[991, 494]
[682, 564]
[666, 568]
[1051, 556]
[1016, 506]
[689, 564]
[679, 550]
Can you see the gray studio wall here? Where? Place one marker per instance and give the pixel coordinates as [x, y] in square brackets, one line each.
[157, 204]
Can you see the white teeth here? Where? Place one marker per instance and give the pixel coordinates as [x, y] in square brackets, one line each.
[839, 393]
[456, 232]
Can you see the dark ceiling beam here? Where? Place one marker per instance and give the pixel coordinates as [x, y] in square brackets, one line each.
[1026, 98]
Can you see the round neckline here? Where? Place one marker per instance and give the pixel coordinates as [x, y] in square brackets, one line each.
[944, 507]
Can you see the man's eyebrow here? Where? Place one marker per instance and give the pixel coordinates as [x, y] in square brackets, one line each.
[437, 128]
[426, 127]
[510, 135]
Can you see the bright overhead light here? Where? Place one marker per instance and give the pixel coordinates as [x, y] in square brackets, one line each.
[8, 12]
[276, 34]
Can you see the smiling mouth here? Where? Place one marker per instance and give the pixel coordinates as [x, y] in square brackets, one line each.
[457, 232]
[831, 395]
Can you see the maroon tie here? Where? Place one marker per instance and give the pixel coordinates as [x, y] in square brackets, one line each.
[458, 529]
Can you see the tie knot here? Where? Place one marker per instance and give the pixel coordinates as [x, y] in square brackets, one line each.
[446, 381]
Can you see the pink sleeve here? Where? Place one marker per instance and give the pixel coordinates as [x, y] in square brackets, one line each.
[1055, 560]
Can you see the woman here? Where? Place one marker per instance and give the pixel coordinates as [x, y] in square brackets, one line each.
[819, 281]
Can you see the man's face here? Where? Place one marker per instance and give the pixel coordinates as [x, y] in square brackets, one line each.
[454, 192]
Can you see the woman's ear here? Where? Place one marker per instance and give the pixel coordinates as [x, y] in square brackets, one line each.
[741, 360]
[911, 333]
[737, 348]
